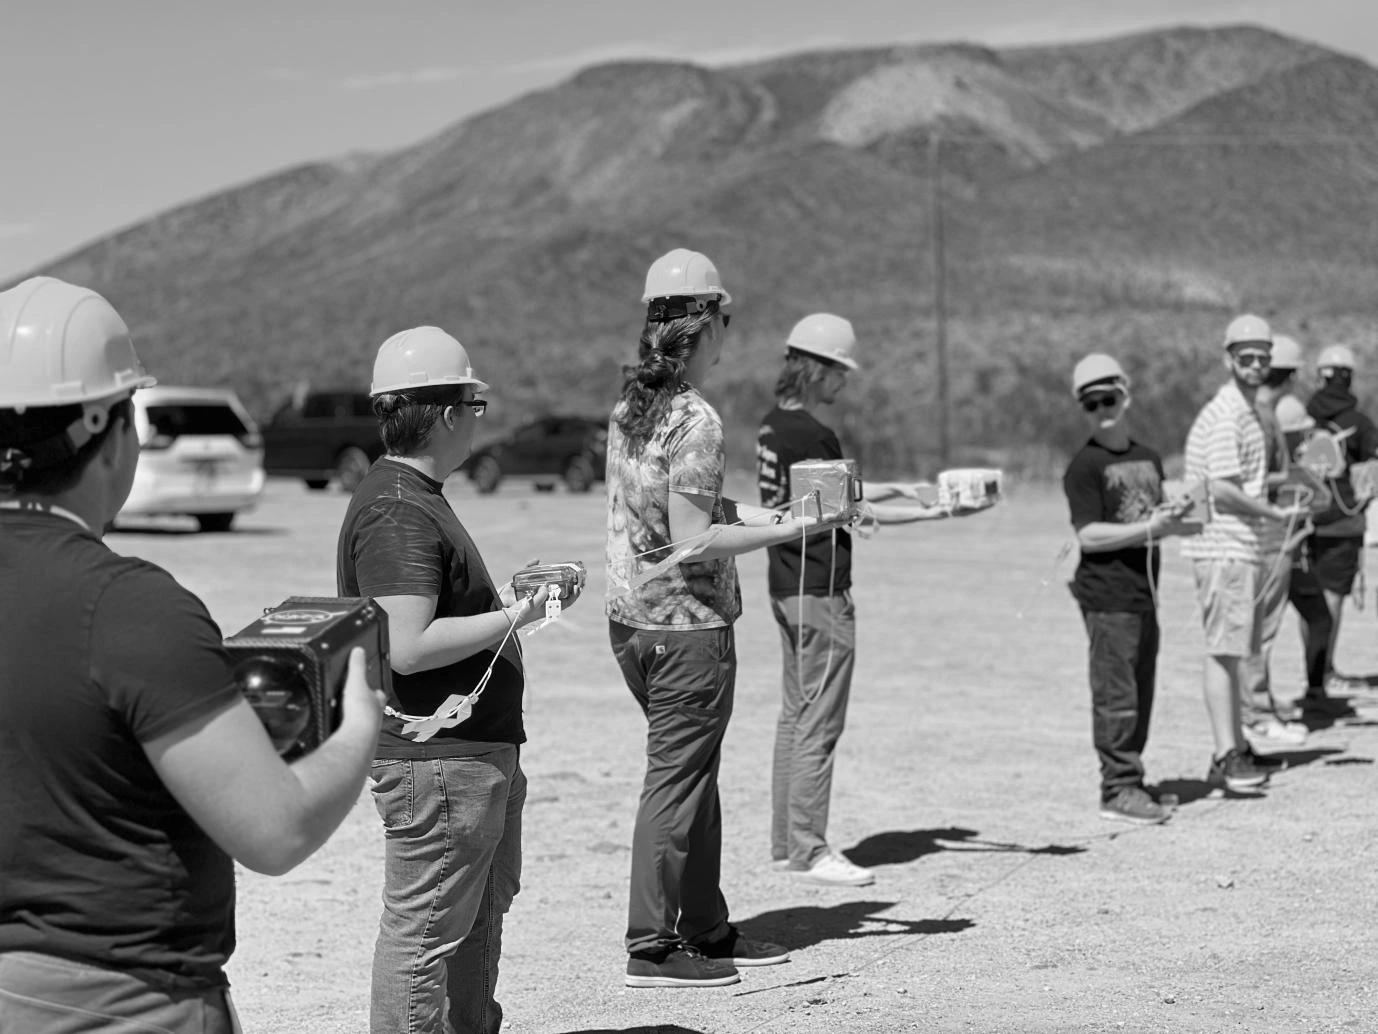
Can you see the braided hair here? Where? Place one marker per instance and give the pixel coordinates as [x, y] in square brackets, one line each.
[667, 345]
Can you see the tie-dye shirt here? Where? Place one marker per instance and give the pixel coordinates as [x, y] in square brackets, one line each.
[685, 455]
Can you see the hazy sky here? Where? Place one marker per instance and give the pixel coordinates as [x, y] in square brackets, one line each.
[112, 110]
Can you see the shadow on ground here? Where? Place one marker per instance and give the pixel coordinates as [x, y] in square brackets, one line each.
[899, 846]
[803, 926]
[659, 1028]
[1189, 790]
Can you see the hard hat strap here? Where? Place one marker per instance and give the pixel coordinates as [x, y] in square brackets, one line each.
[663, 310]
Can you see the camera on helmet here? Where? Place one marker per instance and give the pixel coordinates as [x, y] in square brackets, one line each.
[291, 665]
[568, 577]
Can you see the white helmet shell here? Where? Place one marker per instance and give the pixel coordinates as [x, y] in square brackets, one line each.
[1286, 353]
[423, 357]
[1341, 356]
[63, 345]
[682, 273]
[826, 336]
[1292, 415]
[1248, 328]
[1098, 368]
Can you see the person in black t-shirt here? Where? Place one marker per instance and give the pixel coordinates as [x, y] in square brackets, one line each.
[1114, 491]
[134, 768]
[447, 779]
[810, 592]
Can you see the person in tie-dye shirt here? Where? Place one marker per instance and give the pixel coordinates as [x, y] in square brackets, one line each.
[672, 599]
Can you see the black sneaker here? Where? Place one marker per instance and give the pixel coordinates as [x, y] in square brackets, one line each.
[741, 951]
[681, 966]
[1235, 770]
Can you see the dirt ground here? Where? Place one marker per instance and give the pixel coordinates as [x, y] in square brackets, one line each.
[966, 779]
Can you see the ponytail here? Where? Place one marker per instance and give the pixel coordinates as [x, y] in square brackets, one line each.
[648, 387]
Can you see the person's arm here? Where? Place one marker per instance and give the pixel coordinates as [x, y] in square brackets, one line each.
[420, 641]
[268, 815]
[691, 515]
[1105, 536]
[900, 513]
[1229, 497]
[883, 491]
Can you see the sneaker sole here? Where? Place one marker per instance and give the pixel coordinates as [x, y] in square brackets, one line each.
[632, 981]
[1137, 820]
[773, 960]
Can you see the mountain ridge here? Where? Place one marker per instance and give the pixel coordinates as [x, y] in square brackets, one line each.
[1078, 182]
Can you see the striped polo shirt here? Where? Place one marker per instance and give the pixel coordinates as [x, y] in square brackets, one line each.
[1226, 440]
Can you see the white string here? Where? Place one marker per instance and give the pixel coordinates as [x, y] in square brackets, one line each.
[473, 696]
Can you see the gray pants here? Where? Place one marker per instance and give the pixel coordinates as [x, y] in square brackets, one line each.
[683, 681]
[819, 653]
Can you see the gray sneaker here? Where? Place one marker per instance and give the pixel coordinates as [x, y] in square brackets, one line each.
[1133, 804]
[680, 966]
[1236, 770]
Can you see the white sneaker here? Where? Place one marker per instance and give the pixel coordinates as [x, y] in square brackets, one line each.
[1271, 732]
[835, 870]
[779, 864]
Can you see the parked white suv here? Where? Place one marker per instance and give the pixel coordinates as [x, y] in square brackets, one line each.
[200, 455]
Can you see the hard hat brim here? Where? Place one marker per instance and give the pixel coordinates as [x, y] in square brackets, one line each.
[479, 386]
[849, 363]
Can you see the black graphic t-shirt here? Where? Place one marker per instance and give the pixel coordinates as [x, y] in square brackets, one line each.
[1117, 488]
[789, 436]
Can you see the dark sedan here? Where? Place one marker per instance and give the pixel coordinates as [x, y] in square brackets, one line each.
[570, 448]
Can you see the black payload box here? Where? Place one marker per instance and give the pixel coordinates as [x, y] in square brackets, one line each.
[291, 664]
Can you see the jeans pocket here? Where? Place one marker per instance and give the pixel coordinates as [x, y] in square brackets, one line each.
[392, 792]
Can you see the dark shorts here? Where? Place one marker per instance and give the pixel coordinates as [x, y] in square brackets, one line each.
[1335, 561]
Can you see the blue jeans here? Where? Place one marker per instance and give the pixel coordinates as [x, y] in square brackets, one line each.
[44, 994]
[452, 865]
[819, 657]
[1123, 665]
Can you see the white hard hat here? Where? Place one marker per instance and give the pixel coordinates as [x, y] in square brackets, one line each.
[684, 274]
[826, 336]
[1335, 355]
[1286, 353]
[1095, 369]
[1248, 328]
[423, 357]
[62, 345]
[1292, 415]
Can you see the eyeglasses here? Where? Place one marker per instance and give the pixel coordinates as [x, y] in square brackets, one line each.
[1260, 359]
[477, 405]
[1092, 403]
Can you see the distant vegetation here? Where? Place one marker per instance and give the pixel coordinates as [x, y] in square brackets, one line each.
[1127, 196]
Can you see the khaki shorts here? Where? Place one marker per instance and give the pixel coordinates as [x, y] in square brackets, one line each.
[1227, 591]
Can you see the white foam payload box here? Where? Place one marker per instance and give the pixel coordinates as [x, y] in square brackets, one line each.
[970, 488]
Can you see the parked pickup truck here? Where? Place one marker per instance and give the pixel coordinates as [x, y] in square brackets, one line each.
[320, 436]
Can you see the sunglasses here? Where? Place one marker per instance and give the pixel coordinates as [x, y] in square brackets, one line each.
[477, 405]
[1259, 359]
[1092, 403]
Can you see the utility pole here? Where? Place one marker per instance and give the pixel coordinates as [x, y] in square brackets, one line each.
[935, 213]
